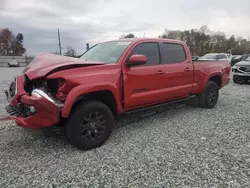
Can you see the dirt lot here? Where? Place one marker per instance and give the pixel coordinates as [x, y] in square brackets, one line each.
[182, 147]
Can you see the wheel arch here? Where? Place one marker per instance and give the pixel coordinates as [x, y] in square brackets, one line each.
[217, 78]
[106, 93]
[105, 96]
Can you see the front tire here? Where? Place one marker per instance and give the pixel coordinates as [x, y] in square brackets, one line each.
[239, 80]
[89, 125]
[235, 79]
[208, 99]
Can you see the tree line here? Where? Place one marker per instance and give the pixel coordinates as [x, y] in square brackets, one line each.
[203, 40]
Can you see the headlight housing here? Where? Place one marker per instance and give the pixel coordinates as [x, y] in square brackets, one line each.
[53, 85]
[56, 88]
[39, 93]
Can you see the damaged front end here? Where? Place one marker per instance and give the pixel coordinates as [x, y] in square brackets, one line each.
[35, 104]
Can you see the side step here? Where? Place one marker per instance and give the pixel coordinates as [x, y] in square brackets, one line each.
[149, 110]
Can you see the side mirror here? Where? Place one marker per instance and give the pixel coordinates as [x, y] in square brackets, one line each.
[195, 58]
[136, 60]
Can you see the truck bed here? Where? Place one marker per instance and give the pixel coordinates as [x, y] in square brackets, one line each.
[203, 68]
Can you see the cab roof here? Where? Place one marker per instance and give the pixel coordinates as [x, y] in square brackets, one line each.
[148, 40]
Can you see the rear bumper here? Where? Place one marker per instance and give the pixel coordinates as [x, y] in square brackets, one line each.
[34, 112]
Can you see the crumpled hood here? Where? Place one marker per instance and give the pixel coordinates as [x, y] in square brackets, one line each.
[243, 63]
[46, 63]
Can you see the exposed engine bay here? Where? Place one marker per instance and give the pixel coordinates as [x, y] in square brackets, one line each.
[52, 87]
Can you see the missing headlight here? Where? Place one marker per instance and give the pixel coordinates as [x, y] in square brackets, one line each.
[52, 85]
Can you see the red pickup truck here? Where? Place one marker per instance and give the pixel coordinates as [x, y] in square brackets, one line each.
[112, 78]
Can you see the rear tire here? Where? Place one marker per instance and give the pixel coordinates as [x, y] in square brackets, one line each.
[208, 99]
[89, 125]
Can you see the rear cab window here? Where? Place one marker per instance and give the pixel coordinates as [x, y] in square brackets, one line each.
[173, 53]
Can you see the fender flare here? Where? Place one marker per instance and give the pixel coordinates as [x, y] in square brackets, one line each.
[208, 78]
[80, 90]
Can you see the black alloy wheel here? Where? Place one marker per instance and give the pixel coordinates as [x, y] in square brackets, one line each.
[93, 126]
[89, 125]
[212, 96]
[208, 99]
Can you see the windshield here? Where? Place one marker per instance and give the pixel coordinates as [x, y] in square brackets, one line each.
[237, 57]
[209, 56]
[108, 52]
[245, 57]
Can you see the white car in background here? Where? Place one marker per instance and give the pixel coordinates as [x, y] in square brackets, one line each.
[13, 63]
[217, 56]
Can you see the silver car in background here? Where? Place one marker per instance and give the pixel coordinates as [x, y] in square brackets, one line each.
[241, 71]
[217, 56]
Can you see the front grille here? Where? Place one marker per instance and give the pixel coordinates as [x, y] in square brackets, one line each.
[245, 69]
[14, 110]
[19, 110]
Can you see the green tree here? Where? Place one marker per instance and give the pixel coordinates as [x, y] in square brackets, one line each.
[11, 45]
[130, 35]
[203, 40]
[70, 52]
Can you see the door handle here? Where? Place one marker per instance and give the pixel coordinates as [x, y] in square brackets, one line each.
[159, 72]
[187, 69]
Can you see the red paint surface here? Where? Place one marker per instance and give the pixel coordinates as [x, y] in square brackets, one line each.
[20, 90]
[159, 83]
[47, 113]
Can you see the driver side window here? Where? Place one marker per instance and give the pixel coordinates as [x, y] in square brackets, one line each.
[150, 50]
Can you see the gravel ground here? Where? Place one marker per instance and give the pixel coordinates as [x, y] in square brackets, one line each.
[182, 147]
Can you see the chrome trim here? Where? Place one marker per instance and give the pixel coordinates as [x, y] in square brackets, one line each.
[16, 88]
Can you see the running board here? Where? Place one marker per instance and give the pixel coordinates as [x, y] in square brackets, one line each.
[179, 101]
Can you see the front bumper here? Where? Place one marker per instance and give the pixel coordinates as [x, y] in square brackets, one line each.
[241, 74]
[37, 110]
[243, 71]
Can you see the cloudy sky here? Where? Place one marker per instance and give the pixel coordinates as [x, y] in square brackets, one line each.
[98, 20]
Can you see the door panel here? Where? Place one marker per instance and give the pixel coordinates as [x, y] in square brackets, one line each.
[143, 84]
[180, 79]
[179, 70]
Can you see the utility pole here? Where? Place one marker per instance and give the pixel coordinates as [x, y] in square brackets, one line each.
[59, 42]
